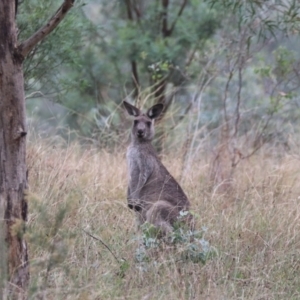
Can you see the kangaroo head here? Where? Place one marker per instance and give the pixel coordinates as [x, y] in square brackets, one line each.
[143, 124]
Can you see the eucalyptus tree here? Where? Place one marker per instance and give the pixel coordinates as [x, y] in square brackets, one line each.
[13, 130]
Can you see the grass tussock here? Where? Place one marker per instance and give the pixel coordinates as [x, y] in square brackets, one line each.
[77, 202]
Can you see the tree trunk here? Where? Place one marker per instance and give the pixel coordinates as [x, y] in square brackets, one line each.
[13, 181]
[14, 267]
[13, 206]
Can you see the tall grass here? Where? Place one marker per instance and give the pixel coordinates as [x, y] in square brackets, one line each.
[78, 216]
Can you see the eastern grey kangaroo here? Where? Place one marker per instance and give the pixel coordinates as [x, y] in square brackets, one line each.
[153, 193]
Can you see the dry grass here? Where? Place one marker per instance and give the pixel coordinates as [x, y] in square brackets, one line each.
[255, 229]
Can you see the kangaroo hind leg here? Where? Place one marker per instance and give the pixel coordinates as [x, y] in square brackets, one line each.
[161, 214]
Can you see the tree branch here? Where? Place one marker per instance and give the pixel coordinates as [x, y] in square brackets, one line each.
[238, 101]
[129, 11]
[165, 31]
[178, 16]
[135, 77]
[26, 46]
[138, 11]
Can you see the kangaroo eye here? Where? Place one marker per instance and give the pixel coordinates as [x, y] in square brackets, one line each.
[149, 124]
[136, 122]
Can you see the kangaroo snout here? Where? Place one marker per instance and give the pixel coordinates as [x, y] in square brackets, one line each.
[140, 133]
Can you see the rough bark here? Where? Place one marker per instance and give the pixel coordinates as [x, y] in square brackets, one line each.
[14, 267]
[13, 182]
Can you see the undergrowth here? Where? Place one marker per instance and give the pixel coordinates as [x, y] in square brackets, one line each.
[83, 242]
[183, 243]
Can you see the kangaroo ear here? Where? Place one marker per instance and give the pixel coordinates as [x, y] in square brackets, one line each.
[132, 110]
[155, 111]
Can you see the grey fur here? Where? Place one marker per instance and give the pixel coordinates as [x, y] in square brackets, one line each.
[153, 193]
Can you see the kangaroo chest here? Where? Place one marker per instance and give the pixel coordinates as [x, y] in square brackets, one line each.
[138, 161]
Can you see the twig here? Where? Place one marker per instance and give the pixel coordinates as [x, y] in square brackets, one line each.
[238, 101]
[99, 240]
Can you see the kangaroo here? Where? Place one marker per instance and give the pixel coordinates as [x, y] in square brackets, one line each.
[152, 193]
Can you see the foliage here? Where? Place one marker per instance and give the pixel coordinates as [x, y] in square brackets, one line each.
[228, 68]
[212, 56]
[45, 69]
[270, 16]
[92, 71]
[184, 243]
[49, 239]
